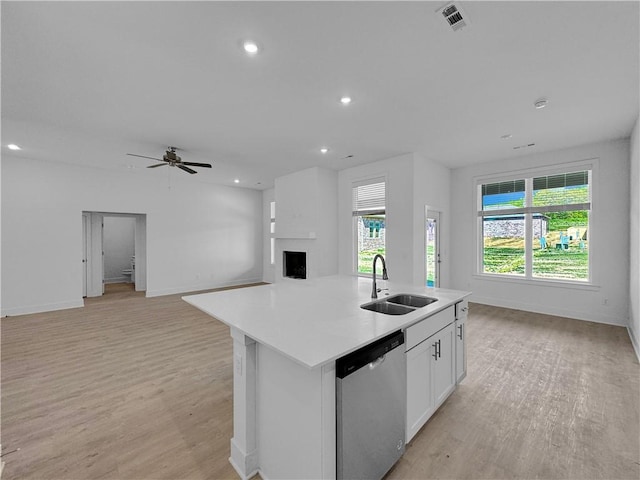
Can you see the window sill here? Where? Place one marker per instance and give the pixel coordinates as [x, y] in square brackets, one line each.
[538, 282]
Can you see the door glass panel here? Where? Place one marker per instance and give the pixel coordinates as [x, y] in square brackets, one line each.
[431, 252]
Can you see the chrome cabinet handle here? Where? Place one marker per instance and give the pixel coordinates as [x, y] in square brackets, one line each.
[438, 350]
[460, 334]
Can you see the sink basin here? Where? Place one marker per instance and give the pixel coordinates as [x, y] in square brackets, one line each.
[416, 301]
[388, 308]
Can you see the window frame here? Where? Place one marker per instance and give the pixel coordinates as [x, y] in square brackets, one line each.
[528, 175]
[272, 232]
[354, 222]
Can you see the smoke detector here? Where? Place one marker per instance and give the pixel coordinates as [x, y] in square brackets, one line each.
[454, 16]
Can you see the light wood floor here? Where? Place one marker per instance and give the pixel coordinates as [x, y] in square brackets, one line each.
[141, 388]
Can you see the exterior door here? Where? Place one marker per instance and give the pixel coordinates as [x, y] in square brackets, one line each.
[432, 249]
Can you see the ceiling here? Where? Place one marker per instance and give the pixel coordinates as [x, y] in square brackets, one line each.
[87, 82]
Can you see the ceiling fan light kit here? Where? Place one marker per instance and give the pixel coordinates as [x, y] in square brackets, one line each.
[173, 160]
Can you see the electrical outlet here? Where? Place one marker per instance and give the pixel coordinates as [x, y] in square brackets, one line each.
[605, 302]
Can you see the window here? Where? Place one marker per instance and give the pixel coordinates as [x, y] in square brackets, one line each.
[536, 227]
[272, 232]
[369, 218]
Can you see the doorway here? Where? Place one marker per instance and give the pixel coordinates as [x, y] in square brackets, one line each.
[114, 251]
[432, 248]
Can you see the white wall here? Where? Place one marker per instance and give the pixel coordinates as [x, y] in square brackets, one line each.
[306, 212]
[608, 243]
[118, 246]
[412, 183]
[431, 186]
[199, 236]
[634, 238]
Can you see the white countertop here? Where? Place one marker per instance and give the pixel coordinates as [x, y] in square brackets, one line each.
[315, 321]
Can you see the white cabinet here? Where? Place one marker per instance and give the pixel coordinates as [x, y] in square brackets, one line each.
[419, 380]
[430, 367]
[462, 310]
[443, 364]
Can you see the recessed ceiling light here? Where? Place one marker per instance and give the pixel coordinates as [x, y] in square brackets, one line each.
[540, 103]
[324, 150]
[13, 146]
[237, 180]
[250, 47]
[345, 100]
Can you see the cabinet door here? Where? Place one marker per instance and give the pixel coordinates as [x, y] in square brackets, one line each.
[443, 364]
[462, 310]
[461, 350]
[419, 394]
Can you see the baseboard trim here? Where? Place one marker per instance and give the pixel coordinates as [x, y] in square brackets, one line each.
[245, 464]
[200, 287]
[558, 312]
[122, 279]
[49, 307]
[634, 342]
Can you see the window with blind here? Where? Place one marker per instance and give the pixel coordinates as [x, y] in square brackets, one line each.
[536, 227]
[369, 220]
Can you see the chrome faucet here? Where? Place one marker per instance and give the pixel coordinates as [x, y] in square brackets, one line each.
[374, 292]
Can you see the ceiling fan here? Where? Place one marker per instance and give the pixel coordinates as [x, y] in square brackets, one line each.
[172, 159]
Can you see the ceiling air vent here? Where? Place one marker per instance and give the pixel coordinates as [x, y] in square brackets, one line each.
[455, 17]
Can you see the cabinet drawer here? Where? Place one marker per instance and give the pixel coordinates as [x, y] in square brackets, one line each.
[462, 308]
[425, 328]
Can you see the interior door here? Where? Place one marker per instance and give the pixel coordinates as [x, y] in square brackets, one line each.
[432, 248]
[102, 252]
[85, 250]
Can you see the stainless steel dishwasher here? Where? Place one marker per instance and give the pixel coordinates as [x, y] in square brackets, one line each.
[371, 390]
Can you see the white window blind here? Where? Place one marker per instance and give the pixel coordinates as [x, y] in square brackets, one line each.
[369, 197]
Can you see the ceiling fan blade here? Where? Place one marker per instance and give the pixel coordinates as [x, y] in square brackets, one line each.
[186, 169]
[143, 156]
[157, 165]
[193, 164]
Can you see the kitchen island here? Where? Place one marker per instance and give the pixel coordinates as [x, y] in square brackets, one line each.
[286, 340]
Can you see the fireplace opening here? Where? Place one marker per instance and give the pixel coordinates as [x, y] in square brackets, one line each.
[295, 264]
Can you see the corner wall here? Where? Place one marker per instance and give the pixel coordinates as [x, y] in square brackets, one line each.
[609, 243]
[634, 239]
[412, 183]
[199, 236]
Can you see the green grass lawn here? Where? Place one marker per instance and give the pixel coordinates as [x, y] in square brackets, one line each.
[365, 261]
[507, 256]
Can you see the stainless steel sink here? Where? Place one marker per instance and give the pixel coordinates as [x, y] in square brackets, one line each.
[417, 301]
[383, 306]
[399, 304]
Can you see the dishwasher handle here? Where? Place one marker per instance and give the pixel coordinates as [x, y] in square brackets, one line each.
[371, 355]
[377, 362]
